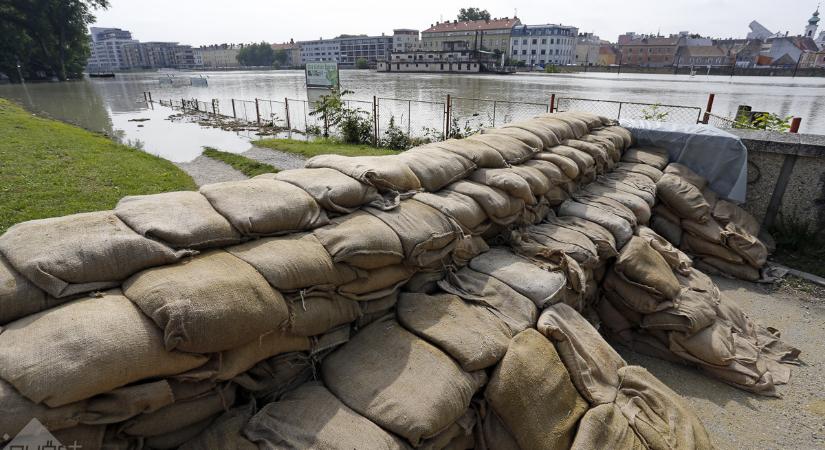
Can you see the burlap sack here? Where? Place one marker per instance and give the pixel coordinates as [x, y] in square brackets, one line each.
[556, 196]
[174, 439]
[684, 172]
[499, 207]
[379, 304]
[312, 417]
[591, 120]
[386, 173]
[458, 436]
[181, 414]
[605, 427]
[19, 297]
[640, 208]
[511, 149]
[746, 245]
[652, 156]
[632, 295]
[713, 344]
[318, 312]
[585, 162]
[538, 182]
[226, 432]
[626, 185]
[265, 207]
[608, 145]
[377, 283]
[542, 130]
[476, 151]
[296, 261]
[620, 228]
[577, 126]
[715, 265]
[676, 259]
[426, 235]
[590, 361]
[82, 436]
[700, 247]
[514, 309]
[617, 140]
[683, 198]
[268, 380]
[462, 208]
[210, 303]
[624, 133]
[361, 240]
[635, 180]
[565, 164]
[491, 434]
[726, 212]
[602, 238]
[435, 167]
[603, 161]
[469, 332]
[709, 231]
[334, 191]
[606, 204]
[640, 263]
[179, 219]
[524, 136]
[562, 129]
[507, 181]
[660, 417]
[551, 171]
[711, 197]
[539, 285]
[46, 355]
[691, 312]
[650, 172]
[231, 363]
[85, 252]
[531, 392]
[419, 390]
[667, 229]
[572, 242]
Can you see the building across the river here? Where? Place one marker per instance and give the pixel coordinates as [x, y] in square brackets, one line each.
[220, 56]
[462, 60]
[540, 45]
[106, 49]
[490, 35]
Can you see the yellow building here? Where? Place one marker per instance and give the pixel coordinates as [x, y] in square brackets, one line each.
[490, 35]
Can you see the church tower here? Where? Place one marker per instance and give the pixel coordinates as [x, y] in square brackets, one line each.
[813, 23]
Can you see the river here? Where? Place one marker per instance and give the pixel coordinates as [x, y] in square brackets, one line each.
[112, 106]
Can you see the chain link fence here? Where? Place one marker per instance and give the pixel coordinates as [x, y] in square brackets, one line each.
[631, 110]
[417, 118]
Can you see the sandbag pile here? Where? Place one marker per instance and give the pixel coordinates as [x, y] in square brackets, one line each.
[206, 319]
[720, 235]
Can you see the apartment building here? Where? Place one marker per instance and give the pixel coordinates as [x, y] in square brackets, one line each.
[405, 40]
[220, 56]
[106, 49]
[370, 48]
[490, 35]
[650, 51]
[293, 51]
[321, 50]
[540, 45]
[158, 55]
[587, 49]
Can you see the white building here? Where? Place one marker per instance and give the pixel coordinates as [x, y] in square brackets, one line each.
[322, 50]
[107, 49]
[540, 45]
[587, 49]
[455, 61]
[813, 24]
[405, 40]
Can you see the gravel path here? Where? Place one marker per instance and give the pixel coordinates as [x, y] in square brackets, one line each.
[737, 419]
[281, 160]
[205, 170]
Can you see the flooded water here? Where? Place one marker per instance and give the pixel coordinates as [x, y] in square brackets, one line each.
[111, 106]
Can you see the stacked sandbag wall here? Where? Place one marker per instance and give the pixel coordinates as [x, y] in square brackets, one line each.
[144, 325]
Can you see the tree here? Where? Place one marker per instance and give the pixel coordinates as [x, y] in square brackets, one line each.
[46, 35]
[466, 14]
[281, 57]
[256, 55]
[361, 63]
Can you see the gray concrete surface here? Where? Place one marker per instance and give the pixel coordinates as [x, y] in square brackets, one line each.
[281, 160]
[205, 170]
[737, 419]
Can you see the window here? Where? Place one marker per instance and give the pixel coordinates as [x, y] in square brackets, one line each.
[557, 51]
[552, 41]
[515, 52]
[544, 41]
[524, 41]
[532, 52]
[535, 41]
[524, 52]
[543, 51]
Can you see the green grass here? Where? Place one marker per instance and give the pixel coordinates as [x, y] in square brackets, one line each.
[50, 168]
[322, 147]
[247, 166]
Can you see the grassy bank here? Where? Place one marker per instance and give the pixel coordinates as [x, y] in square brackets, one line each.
[247, 166]
[309, 149]
[49, 168]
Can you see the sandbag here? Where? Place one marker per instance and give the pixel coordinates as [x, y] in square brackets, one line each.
[640, 208]
[225, 432]
[683, 198]
[233, 362]
[691, 312]
[542, 130]
[640, 263]
[377, 283]
[715, 265]
[560, 128]
[181, 219]
[361, 240]
[578, 126]
[676, 259]
[700, 247]
[511, 149]
[606, 204]
[468, 332]
[499, 207]
[210, 303]
[269, 379]
[617, 140]
[334, 191]
[565, 164]
[726, 212]
[625, 185]
[539, 285]
[620, 228]
[652, 156]
[602, 238]
[538, 182]
[531, 393]
[605, 427]
[667, 229]
[650, 172]
[478, 152]
[436, 168]
[746, 245]
[85, 252]
[572, 242]
[426, 235]
[293, 262]
[591, 362]
[386, 173]
[524, 136]
[43, 355]
[19, 297]
[318, 312]
[585, 162]
[265, 207]
[603, 160]
[684, 172]
[462, 208]
[550, 170]
[633, 296]
[491, 434]
[419, 390]
[624, 133]
[312, 417]
[710, 231]
[506, 180]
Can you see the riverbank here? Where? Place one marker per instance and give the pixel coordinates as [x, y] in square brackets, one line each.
[50, 168]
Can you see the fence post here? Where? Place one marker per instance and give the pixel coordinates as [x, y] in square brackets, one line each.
[234, 115]
[214, 107]
[619, 115]
[409, 117]
[375, 121]
[257, 111]
[150, 96]
[494, 113]
[286, 110]
[447, 108]
[706, 119]
[795, 122]
[182, 104]
[552, 102]
[145, 98]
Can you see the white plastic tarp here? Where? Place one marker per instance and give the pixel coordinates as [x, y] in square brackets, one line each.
[717, 155]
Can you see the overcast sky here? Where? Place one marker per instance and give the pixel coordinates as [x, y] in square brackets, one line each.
[198, 22]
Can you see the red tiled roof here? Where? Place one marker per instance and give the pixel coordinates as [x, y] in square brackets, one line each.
[473, 25]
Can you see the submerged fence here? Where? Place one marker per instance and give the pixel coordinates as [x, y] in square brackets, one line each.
[435, 120]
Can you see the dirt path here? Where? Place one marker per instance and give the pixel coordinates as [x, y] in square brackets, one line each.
[740, 420]
[205, 170]
[281, 160]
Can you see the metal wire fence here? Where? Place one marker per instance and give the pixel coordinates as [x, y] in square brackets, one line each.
[416, 118]
[631, 110]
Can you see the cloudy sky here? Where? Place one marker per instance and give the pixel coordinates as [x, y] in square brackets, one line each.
[200, 22]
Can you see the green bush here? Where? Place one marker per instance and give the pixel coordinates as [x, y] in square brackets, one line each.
[395, 138]
[361, 63]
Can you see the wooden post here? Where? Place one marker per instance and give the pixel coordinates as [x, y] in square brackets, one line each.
[234, 115]
[214, 108]
[708, 108]
[552, 102]
[257, 111]
[795, 122]
[447, 107]
[286, 110]
[183, 104]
